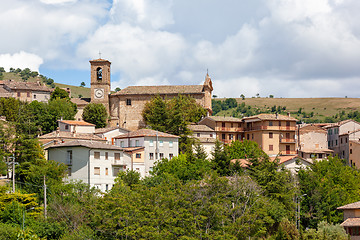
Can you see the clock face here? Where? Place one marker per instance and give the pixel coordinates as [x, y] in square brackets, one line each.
[99, 93]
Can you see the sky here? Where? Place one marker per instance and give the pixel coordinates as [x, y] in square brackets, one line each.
[285, 48]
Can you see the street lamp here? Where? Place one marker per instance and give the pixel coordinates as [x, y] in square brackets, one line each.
[23, 222]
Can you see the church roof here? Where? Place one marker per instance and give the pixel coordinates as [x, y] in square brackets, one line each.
[153, 90]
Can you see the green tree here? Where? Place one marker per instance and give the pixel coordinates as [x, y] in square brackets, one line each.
[173, 116]
[95, 113]
[82, 84]
[117, 89]
[59, 93]
[220, 159]
[328, 185]
[242, 97]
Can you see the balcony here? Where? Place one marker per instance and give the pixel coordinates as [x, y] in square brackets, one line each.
[227, 129]
[287, 140]
[287, 152]
[279, 128]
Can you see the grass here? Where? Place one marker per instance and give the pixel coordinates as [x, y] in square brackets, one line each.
[322, 107]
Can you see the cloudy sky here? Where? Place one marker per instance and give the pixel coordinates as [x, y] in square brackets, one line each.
[287, 48]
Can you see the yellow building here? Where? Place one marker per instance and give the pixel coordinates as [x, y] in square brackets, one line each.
[275, 134]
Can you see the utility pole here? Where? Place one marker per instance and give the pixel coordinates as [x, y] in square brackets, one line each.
[45, 202]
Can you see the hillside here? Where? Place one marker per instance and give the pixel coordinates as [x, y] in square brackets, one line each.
[319, 108]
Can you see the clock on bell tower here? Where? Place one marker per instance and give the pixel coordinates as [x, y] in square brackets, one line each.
[100, 82]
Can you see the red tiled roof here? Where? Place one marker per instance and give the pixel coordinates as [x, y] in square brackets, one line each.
[224, 119]
[351, 222]
[145, 133]
[312, 128]
[153, 90]
[87, 144]
[78, 123]
[355, 205]
[32, 86]
[275, 117]
[200, 128]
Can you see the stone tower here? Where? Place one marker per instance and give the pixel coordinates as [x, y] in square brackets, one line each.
[100, 82]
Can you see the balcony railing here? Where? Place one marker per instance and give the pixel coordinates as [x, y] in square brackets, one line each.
[287, 140]
[281, 128]
[227, 129]
[287, 152]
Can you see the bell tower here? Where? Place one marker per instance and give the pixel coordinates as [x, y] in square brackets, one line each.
[100, 82]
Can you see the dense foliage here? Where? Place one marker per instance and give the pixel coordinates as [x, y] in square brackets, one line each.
[95, 113]
[173, 116]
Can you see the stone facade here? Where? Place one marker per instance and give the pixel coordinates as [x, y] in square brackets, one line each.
[125, 107]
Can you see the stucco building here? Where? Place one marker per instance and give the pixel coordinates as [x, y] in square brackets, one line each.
[25, 91]
[125, 107]
[204, 135]
[351, 221]
[94, 163]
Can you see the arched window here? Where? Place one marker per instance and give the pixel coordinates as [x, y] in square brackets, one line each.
[99, 73]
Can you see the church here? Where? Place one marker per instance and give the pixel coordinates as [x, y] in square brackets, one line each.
[125, 106]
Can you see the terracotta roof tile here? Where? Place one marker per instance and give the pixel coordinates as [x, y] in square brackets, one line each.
[351, 222]
[87, 144]
[153, 90]
[355, 205]
[145, 133]
[33, 86]
[77, 123]
[200, 128]
[69, 135]
[224, 119]
[81, 101]
[271, 117]
[312, 128]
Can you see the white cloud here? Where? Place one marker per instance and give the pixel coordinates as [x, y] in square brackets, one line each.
[21, 60]
[57, 1]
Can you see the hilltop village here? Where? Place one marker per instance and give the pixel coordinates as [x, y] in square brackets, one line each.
[132, 147]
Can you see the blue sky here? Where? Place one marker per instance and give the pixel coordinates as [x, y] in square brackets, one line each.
[287, 48]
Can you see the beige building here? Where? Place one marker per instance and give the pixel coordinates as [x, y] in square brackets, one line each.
[354, 153]
[312, 143]
[351, 221]
[125, 107]
[25, 91]
[227, 129]
[275, 133]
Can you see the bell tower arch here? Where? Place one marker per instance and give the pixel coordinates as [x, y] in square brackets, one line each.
[100, 81]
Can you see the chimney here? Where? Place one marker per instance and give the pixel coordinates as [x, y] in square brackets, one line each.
[276, 115]
[288, 114]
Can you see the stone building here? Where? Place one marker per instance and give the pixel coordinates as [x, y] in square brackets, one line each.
[25, 91]
[125, 107]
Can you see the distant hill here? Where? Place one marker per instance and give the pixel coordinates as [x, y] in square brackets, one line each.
[76, 91]
[305, 109]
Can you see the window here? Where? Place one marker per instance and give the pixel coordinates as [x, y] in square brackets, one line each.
[198, 134]
[151, 143]
[223, 124]
[232, 125]
[171, 144]
[151, 156]
[34, 96]
[279, 123]
[18, 94]
[138, 155]
[350, 151]
[117, 156]
[138, 169]
[106, 171]
[336, 142]
[345, 140]
[328, 143]
[248, 136]
[161, 143]
[287, 135]
[128, 102]
[270, 135]
[231, 136]
[106, 156]
[69, 172]
[161, 155]
[211, 135]
[97, 155]
[28, 94]
[171, 155]
[270, 123]
[116, 171]
[320, 155]
[223, 136]
[287, 123]
[239, 125]
[252, 136]
[106, 187]
[137, 143]
[96, 171]
[271, 147]
[69, 157]
[122, 144]
[66, 127]
[341, 141]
